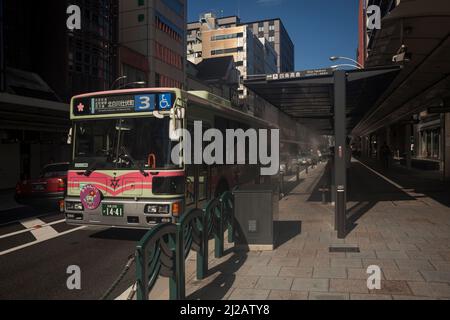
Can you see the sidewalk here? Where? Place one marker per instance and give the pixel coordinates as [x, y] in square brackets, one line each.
[404, 232]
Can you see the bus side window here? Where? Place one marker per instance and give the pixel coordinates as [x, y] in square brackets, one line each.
[190, 176]
[203, 177]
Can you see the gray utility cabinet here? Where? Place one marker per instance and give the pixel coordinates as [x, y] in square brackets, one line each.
[256, 208]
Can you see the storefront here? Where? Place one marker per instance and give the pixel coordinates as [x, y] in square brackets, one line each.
[33, 133]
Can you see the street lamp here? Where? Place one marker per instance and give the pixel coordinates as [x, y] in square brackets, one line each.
[345, 65]
[117, 80]
[334, 58]
[136, 83]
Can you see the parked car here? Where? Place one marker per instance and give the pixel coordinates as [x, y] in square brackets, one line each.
[47, 190]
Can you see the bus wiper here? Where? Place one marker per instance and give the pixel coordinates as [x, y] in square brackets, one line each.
[91, 169]
[134, 162]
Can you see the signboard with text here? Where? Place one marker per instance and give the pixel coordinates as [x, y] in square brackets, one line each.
[117, 104]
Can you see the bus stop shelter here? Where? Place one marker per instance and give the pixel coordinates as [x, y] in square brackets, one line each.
[331, 102]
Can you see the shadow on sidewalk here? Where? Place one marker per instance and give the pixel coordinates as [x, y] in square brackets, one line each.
[415, 180]
[285, 231]
[221, 285]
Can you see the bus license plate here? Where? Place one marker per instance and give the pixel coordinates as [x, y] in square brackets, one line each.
[112, 210]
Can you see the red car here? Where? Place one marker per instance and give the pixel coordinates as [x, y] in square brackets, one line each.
[47, 190]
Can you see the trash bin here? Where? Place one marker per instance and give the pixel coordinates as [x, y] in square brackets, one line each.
[256, 208]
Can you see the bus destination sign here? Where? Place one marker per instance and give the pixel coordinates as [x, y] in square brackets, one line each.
[102, 105]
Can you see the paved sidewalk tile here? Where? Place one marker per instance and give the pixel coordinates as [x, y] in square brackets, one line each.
[435, 290]
[407, 275]
[284, 262]
[314, 285]
[436, 276]
[328, 296]
[346, 262]
[287, 295]
[391, 254]
[348, 285]
[330, 273]
[274, 283]
[393, 287]
[297, 272]
[249, 294]
[409, 264]
[370, 297]
[262, 270]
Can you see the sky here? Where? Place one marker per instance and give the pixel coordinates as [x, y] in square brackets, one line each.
[318, 28]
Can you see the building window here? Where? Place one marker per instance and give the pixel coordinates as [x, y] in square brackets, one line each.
[272, 39]
[226, 51]
[261, 29]
[141, 18]
[272, 28]
[140, 3]
[227, 36]
[163, 81]
[169, 28]
[168, 56]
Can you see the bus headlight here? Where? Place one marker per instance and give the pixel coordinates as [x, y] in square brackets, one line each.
[157, 209]
[74, 206]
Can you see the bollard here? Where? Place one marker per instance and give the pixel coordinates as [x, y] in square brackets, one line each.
[298, 173]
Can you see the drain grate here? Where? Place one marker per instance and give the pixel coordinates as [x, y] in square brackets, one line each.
[344, 249]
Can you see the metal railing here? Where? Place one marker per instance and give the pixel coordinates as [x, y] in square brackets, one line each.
[163, 250]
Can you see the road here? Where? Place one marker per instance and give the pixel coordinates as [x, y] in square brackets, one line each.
[36, 251]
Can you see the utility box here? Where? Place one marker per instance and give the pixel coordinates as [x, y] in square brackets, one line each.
[256, 208]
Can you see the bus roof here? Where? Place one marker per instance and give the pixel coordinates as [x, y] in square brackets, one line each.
[208, 99]
[204, 98]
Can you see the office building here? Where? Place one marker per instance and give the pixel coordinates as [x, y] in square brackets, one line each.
[43, 64]
[152, 40]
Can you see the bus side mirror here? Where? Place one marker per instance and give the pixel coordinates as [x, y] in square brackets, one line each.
[176, 123]
[69, 136]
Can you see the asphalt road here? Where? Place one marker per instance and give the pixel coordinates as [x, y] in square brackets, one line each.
[35, 255]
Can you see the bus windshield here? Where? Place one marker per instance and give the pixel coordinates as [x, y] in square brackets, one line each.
[125, 143]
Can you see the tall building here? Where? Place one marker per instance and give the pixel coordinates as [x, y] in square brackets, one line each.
[272, 30]
[275, 33]
[43, 64]
[152, 40]
[214, 37]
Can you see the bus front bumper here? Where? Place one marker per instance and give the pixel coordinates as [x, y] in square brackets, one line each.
[133, 214]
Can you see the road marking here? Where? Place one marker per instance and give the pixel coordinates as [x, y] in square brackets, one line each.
[39, 229]
[39, 241]
[48, 214]
[28, 230]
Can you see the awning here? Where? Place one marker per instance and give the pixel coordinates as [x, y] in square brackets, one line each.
[308, 96]
[24, 113]
[423, 26]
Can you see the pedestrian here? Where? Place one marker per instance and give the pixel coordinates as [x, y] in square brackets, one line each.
[385, 153]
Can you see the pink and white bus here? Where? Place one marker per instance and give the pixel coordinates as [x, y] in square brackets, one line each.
[122, 174]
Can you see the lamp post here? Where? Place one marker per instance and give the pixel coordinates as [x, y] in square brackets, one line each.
[334, 58]
[136, 83]
[117, 80]
[345, 65]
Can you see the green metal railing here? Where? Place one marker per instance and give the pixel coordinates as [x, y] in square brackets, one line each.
[163, 250]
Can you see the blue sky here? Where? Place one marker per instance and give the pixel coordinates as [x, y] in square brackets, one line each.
[318, 28]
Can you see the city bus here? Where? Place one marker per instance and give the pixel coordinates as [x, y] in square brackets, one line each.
[122, 174]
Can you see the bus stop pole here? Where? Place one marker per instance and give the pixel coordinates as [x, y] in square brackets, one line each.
[340, 167]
